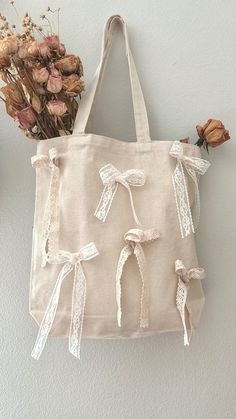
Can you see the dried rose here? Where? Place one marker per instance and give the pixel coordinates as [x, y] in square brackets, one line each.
[56, 107]
[23, 51]
[33, 49]
[40, 75]
[54, 72]
[52, 41]
[54, 84]
[8, 46]
[44, 50]
[61, 49]
[212, 134]
[73, 85]
[70, 64]
[26, 117]
[5, 62]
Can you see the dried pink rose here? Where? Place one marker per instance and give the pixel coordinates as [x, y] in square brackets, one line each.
[44, 50]
[26, 117]
[54, 84]
[52, 41]
[40, 75]
[70, 64]
[73, 85]
[61, 49]
[8, 46]
[23, 51]
[33, 49]
[56, 107]
[54, 72]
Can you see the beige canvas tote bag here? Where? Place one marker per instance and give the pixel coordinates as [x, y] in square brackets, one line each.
[113, 239]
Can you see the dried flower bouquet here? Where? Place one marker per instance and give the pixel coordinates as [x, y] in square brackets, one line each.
[41, 80]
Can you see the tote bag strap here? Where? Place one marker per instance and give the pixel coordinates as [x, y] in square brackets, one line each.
[140, 113]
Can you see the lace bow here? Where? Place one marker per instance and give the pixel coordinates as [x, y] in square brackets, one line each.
[194, 166]
[184, 277]
[134, 239]
[111, 177]
[71, 261]
[49, 238]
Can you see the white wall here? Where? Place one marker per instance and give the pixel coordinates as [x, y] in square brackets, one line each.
[185, 53]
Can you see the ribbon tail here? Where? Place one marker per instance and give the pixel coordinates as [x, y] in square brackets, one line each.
[105, 202]
[77, 312]
[181, 298]
[144, 301]
[132, 206]
[48, 241]
[125, 253]
[182, 201]
[194, 178]
[50, 313]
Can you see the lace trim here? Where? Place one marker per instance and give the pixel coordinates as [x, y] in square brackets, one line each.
[134, 239]
[70, 261]
[194, 166]
[50, 235]
[184, 279]
[111, 177]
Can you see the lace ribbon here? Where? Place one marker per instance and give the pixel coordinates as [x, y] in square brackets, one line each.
[50, 219]
[134, 239]
[71, 261]
[184, 277]
[110, 178]
[194, 166]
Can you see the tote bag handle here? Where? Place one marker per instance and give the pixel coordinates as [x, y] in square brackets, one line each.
[140, 113]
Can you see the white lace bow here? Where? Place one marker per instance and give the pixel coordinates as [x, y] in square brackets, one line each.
[194, 166]
[134, 240]
[111, 177]
[185, 276]
[71, 261]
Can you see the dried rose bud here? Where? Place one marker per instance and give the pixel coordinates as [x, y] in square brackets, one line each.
[73, 85]
[213, 133]
[44, 50]
[54, 72]
[5, 62]
[40, 75]
[52, 41]
[26, 117]
[33, 49]
[23, 51]
[54, 84]
[8, 46]
[61, 49]
[56, 107]
[70, 64]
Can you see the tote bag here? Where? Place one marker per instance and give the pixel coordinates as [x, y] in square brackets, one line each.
[113, 245]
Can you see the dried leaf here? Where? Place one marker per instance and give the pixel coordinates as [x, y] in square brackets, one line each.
[36, 103]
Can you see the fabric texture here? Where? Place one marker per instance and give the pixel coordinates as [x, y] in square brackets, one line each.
[133, 203]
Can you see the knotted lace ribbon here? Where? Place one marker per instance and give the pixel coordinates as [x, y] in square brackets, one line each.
[134, 240]
[185, 276]
[50, 226]
[71, 262]
[111, 177]
[194, 166]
